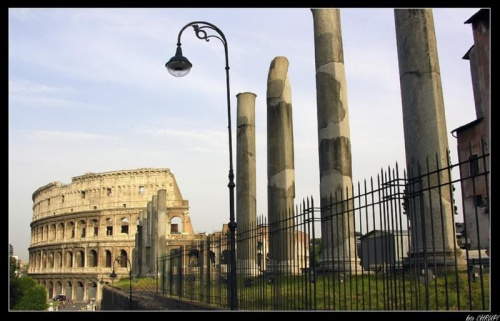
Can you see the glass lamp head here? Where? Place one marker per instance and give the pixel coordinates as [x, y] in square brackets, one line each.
[178, 65]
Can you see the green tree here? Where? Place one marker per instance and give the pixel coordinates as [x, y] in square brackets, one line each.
[26, 294]
[14, 265]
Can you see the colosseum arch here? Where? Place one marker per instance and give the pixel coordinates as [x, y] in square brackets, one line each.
[92, 258]
[124, 225]
[50, 290]
[194, 256]
[46, 232]
[58, 259]
[95, 225]
[52, 231]
[92, 290]
[69, 259]
[80, 258]
[58, 287]
[70, 229]
[109, 226]
[108, 258]
[50, 262]
[60, 231]
[68, 290]
[82, 228]
[39, 260]
[176, 226]
[123, 261]
[44, 260]
[79, 291]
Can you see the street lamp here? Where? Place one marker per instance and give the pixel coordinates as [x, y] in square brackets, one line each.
[180, 66]
[113, 276]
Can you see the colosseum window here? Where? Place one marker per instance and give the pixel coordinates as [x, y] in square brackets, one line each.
[109, 226]
[95, 224]
[83, 194]
[62, 198]
[58, 260]
[82, 229]
[142, 190]
[80, 259]
[92, 258]
[52, 232]
[108, 258]
[109, 191]
[123, 259]
[71, 229]
[60, 231]
[69, 259]
[124, 229]
[193, 257]
[50, 263]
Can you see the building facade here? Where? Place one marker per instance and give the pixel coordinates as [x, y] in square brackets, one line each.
[473, 139]
[80, 229]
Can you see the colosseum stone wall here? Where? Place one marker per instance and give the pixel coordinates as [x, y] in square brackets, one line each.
[79, 229]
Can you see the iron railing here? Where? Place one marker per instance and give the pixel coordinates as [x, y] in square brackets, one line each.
[393, 242]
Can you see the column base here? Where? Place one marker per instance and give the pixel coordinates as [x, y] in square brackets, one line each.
[440, 261]
[287, 266]
[247, 267]
[351, 266]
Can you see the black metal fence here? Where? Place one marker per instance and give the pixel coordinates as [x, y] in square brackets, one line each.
[394, 242]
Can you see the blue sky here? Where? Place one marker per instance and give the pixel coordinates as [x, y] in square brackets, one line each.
[88, 92]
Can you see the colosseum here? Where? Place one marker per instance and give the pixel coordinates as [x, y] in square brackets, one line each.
[79, 230]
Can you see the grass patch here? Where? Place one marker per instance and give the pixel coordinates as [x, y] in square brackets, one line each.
[329, 292]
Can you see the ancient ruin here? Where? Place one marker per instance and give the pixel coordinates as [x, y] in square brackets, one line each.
[334, 143]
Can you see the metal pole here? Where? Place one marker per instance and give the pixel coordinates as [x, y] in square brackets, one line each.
[200, 30]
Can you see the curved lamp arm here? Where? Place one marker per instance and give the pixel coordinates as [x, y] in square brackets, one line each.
[180, 66]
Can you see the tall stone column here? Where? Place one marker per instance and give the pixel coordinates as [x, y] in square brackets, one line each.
[334, 143]
[280, 167]
[150, 256]
[154, 233]
[161, 214]
[433, 240]
[143, 219]
[246, 190]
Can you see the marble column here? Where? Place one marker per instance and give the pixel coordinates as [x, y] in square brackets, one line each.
[154, 233]
[280, 168]
[143, 219]
[246, 190]
[426, 142]
[334, 143]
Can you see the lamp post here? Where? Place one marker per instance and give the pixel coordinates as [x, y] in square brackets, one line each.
[180, 66]
[113, 276]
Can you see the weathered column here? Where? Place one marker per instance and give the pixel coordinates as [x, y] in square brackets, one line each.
[143, 219]
[280, 167]
[161, 214]
[246, 190]
[334, 143]
[154, 233]
[162, 222]
[136, 252]
[433, 240]
[149, 238]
